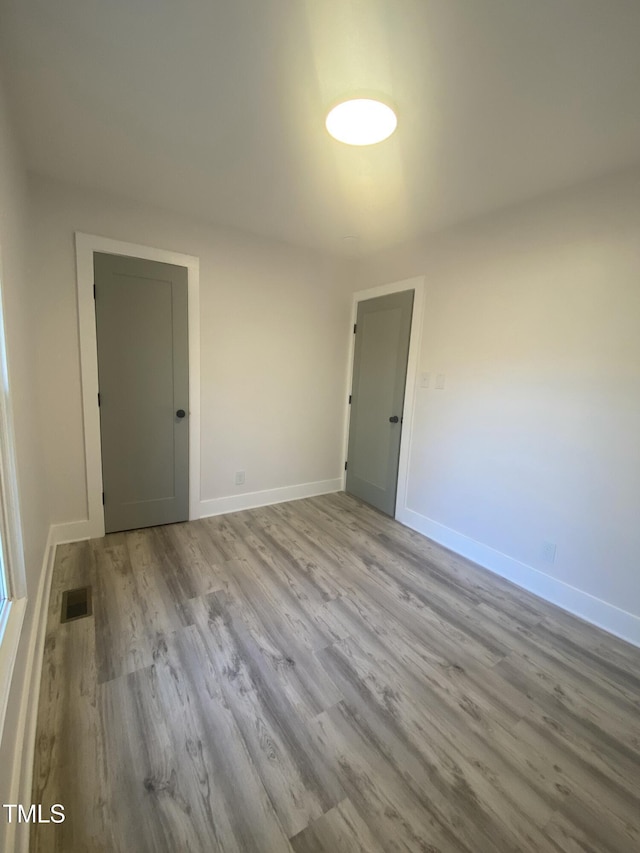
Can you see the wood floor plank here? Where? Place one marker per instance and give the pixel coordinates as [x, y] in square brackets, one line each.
[588, 835]
[292, 666]
[619, 683]
[274, 601]
[198, 554]
[74, 567]
[300, 785]
[440, 563]
[160, 610]
[314, 676]
[433, 662]
[134, 606]
[565, 628]
[308, 558]
[293, 565]
[340, 830]
[182, 776]
[402, 820]
[429, 772]
[404, 602]
[70, 758]
[567, 762]
[481, 749]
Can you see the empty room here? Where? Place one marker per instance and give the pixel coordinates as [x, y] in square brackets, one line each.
[319, 426]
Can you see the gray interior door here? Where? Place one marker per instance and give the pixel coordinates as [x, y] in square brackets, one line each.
[383, 327]
[143, 372]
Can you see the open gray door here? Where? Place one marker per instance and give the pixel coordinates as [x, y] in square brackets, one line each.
[383, 328]
[143, 370]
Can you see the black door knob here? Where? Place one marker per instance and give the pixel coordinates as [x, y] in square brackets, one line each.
[394, 419]
[180, 413]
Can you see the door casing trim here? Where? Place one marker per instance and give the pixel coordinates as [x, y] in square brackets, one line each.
[417, 284]
[86, 245]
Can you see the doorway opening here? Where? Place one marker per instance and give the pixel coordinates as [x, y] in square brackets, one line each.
[387, 326]
[143, 396]
[87, 246]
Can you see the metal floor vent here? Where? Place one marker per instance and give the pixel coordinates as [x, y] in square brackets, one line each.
[76, 603]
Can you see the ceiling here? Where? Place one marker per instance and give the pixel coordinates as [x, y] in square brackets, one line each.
[216, 107]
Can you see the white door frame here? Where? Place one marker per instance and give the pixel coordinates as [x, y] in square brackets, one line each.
[86, 245]
[417, 285]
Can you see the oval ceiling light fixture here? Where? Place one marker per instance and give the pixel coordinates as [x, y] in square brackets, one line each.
[361, 121]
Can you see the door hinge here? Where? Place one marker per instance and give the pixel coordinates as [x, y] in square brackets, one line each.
[349, 399]
[345, 465]
[103, 499]
[94, 291]
[355, 326]
[99, 399]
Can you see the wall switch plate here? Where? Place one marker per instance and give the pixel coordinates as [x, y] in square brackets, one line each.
[549, 552]
[425, 378]
[440, 381]
[239, 478]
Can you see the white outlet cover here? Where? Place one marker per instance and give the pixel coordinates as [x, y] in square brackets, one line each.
[440, 381]
[549, 552]
[425, 378]
[239, 478]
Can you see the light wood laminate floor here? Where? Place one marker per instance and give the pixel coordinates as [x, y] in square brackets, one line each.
[313, 676]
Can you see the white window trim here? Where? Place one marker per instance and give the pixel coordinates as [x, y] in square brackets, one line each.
[12, 609]
[11, 619]
[86, 245]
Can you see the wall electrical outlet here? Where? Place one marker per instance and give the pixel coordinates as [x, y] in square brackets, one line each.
[549, 552]
[425, 378]
[440, 381]
[239, 478]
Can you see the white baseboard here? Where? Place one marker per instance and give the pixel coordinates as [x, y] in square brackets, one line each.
[71, 531]
[17, 834]
[250, 500]
[600, 613]
[76, 531]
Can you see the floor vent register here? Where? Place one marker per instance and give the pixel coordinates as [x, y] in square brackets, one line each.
[76, 604]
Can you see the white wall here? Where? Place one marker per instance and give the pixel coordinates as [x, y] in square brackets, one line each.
[19, 339]
[533, 315]
[18, 306]
[274, 323]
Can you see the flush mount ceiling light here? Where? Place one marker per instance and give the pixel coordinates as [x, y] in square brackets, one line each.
[361, 121]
